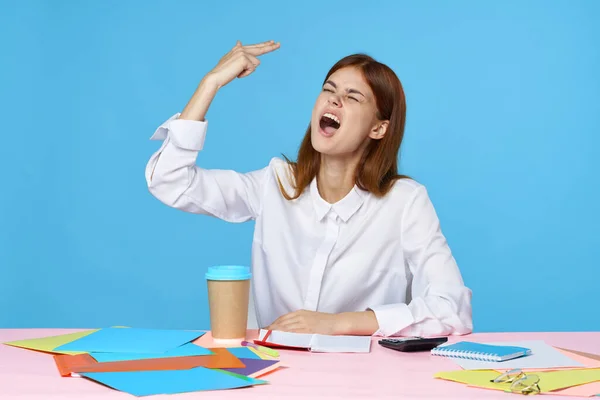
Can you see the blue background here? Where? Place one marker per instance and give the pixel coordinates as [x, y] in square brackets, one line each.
[503, 128]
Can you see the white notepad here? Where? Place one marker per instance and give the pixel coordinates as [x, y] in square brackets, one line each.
[316, 342]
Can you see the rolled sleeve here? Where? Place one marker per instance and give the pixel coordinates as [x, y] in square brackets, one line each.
[185, 134]
[174, 178]
[392, 318]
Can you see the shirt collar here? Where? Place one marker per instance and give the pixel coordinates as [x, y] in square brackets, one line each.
[345, 208]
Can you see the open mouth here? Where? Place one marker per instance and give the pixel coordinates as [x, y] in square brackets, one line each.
[329, 123]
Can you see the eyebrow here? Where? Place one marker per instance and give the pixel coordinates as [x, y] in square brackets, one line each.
[347, 90]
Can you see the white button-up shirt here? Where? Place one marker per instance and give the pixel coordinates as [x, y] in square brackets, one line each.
[362, 253]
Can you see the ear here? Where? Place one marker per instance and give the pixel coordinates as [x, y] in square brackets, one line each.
[379, 130]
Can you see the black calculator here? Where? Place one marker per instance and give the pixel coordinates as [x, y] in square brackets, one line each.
[410, 344]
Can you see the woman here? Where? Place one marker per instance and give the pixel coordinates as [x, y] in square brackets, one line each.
[342, 243]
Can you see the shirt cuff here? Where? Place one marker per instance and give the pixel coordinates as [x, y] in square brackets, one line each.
[185, 134]
[392, 318]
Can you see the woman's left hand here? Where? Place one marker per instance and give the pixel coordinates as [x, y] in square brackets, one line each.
[304, 321]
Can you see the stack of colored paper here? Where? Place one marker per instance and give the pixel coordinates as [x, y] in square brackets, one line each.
[560, 371]
[153, 361]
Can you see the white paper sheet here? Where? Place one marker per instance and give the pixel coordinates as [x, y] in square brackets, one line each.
[543, 356]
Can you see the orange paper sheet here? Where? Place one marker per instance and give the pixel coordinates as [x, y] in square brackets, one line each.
[222, 358]
[589, 360]
[582, 353]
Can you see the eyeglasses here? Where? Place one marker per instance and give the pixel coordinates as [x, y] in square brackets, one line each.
[520, 382]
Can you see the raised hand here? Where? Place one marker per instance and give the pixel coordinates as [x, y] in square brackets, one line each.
[240, 62]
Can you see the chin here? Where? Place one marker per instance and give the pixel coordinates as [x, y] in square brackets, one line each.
[327, 145]
[320, 143]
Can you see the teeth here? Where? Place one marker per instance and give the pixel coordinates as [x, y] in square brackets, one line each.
[333, 117]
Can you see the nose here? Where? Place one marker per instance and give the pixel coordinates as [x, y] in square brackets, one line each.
[334, 100]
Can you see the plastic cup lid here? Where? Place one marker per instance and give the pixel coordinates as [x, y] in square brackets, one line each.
[228, 273]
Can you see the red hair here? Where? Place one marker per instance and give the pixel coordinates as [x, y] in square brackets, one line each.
[378, 168]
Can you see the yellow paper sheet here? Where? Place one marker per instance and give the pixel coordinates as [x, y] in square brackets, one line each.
[549, 381]
[556, 380]
[479, 378]
[48, 344]
[262, 355]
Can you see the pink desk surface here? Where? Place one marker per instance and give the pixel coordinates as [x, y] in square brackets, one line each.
[381, 374]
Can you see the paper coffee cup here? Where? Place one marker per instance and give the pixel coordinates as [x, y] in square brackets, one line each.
[228, 297]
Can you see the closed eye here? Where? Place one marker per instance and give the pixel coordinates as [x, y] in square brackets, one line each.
[350, 97]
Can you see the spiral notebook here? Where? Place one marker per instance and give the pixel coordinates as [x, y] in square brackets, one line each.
[480, 351]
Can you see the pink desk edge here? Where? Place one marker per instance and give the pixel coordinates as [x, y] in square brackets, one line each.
[381, 374]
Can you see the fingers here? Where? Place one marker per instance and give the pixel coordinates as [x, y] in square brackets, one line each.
[275, 324]
[249, 54]
[257, 49]
[288, 326]
[251, 64]
[267, 43]
[246, 72]
[262, 49]
[295, 328]
[283, 321]
[238, 45]
[253, 60]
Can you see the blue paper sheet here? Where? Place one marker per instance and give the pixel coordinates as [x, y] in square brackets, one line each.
[131, 340]
[145, 383]
[243, 352]
[188, 349]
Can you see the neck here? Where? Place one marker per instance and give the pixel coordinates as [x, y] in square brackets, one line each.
[335, 178]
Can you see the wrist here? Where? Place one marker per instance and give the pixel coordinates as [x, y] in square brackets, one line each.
[209, 83]
[363, 323]
[198, 105]
[343, 324]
